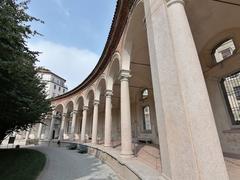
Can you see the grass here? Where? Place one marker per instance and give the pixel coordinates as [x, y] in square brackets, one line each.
[20, 164]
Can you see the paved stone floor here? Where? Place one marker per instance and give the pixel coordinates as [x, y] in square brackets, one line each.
[233, 167]
[63, 164]
[66, 164]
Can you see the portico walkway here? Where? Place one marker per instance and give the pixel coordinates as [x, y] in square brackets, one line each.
[65, 164]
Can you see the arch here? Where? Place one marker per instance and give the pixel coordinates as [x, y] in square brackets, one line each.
[113, 71]
[69, 106]
[58, 108]
[79, 102]
[88, 96]
[100, 86]
[129, 35]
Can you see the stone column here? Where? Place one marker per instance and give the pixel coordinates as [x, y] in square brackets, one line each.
[108, 119]
[74, 118]
[190, 147]
[84, 119]
[39, 130]
[52, 125]
[95, 122]
[27, 134]
[126, 130]
[61, 133]
[195, 95]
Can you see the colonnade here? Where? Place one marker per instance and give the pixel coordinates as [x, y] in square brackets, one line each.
[185, 123]
[126, 132]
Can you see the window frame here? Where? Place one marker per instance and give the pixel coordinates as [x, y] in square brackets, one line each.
[142, 96]
[219, 45]
[226, 100]
[144, 120]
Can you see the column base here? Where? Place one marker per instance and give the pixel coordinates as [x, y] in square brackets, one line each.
[126, 154]
[72, 137]
[82, 141]
[108, 145]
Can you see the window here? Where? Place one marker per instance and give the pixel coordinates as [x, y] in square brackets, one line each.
[237, 92]
[59, 89]
[224, 50]
[63, 90]
[146, 119]
[231, 90]
[145, 93]
[226, 53]
[55, 86]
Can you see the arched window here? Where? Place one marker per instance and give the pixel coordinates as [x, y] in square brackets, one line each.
[224, 50]
[146, 119]
[145, 93]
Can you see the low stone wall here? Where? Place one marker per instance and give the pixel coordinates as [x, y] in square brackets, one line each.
[120, 169]
[231, 142]
[32, 142]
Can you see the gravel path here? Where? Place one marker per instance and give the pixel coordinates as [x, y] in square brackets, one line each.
[65, 164]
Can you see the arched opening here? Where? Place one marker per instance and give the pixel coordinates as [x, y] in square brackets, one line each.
[114, 86]
[90, 103]
[143, 116]
[79, 108]
[218, 49]
[57, 122]
[68, 120]
[100, 95]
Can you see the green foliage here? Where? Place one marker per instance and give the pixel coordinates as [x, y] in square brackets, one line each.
[22, 97]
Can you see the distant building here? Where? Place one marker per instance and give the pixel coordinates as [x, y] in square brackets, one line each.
[55, 85]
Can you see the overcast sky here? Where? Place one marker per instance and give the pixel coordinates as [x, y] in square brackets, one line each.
[74, 35]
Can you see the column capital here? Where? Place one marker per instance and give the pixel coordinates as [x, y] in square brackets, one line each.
[54, 116]
[75, 111]
[85, 108]
[64, 114]
[96, 102]
[171, 2]
[54, 113]
[109, 93]
[124, 75]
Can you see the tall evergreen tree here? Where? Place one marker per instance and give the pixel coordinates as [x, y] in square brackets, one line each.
[22, 97]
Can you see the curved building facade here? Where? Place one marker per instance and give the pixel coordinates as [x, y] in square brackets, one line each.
[168, 77]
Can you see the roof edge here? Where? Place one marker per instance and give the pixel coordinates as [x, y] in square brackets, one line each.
[118, 23]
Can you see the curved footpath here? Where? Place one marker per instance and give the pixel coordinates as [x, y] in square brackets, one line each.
[63, 164]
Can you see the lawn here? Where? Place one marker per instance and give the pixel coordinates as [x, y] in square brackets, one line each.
[20, 164]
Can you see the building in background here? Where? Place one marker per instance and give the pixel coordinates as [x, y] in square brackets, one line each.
[55, 85]
[166, 91]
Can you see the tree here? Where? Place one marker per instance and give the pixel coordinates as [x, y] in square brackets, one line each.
[23, 100]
